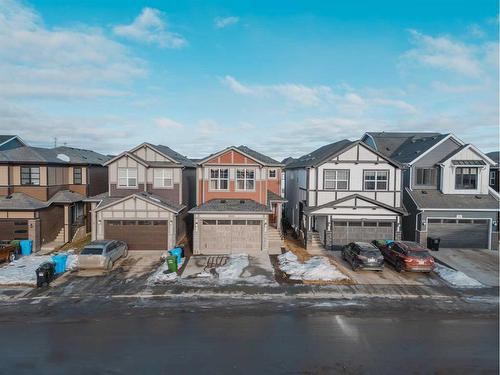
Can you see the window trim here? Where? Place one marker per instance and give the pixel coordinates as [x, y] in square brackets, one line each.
[218, 179]
[163, 178]
[245, 179]
[336, 179]
[275, 170]
[462, 174]
[493, 178]
[433, 176]
[81, 175]
[127, 169]
[30, 178]
[376, 172]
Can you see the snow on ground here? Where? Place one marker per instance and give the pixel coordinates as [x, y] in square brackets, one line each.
[456, 278]
[234, 267]
[22, 270]
[316, 268]
[162, 274]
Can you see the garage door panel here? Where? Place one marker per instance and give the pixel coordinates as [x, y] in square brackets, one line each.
[13, 230]
[138, 234]
[345, 232]
[230, 236]
[457, 234]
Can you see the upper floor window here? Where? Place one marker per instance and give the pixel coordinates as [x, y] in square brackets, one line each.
[163, 178]
[492, 178]
[376, 180]
[336, 179]
[219, 179]
[245, 179]
[30, 175]
[127, 177]
[466, 178]
[77, 175]
[273, 173]
[426, 176]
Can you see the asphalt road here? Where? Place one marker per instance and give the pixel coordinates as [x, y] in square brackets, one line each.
[220, 341]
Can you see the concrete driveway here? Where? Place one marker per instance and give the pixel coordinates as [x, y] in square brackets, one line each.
[388, 276]
[481, 265]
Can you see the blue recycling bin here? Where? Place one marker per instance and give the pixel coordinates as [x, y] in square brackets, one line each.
[60, 261]
[26, 247]
[177, 252]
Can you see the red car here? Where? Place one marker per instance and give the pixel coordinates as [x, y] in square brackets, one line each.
[407, 256]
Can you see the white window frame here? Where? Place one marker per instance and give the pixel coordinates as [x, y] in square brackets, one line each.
[163, 178]
[218, 179]
[493, 177]
[245, 179]
[376, 180]
[275, 173]
[335, 180]
[129, 175]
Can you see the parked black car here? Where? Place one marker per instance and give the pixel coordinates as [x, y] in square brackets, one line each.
[363, 255]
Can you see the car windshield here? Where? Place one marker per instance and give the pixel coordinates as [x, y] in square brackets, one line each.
[418, 254]
[370, 253]
[92, 251]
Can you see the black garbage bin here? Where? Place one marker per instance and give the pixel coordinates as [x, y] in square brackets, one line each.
[433, 243]
[45, 273]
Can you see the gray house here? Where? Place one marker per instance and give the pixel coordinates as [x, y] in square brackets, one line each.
[8, 142]
[446, 188]
[343, 192]
[494, 172]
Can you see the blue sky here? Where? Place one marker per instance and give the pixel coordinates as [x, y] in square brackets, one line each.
[282, 77]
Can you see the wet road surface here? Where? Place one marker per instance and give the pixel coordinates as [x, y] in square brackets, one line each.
[226, 342]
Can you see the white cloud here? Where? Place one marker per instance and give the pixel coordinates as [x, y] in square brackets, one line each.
[222, 22]
[456, 89]
[43, 62]
[444, 53]
[167, 123]
[476, 31]
[150, 27]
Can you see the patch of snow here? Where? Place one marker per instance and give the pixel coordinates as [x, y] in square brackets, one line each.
[161, 275]
[456, 278]
[234, 267]
[22, 270]
[317, 268]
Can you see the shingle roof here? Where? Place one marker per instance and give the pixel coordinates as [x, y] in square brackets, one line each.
[174, 155]
[21, 201]
[258, 156]
[58, 155]
[405, 146]
[231, 205]
[273, 197]
[428, 199]
[5, 138]
[105, 200]
[66, 196]
[495, 156]
[319, 155]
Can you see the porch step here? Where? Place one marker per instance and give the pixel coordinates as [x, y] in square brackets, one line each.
[314, 245]
[53, 245]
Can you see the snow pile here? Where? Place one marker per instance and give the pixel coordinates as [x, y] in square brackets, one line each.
[234, 267]
[316, 268]
[22, 271]
[456, 278]
[162, 274]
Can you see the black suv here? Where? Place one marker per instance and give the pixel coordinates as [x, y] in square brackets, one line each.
[363, 255]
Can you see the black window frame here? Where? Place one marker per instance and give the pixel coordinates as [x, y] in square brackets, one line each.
[463, 180]
[28, 175]
[78, 181]
[376, 180]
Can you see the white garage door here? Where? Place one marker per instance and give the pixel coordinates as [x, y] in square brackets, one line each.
[230, 236]
[460, 233]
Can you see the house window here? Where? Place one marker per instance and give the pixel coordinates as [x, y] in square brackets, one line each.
[163, 178]
[376, 180]
[272, 173]
[336, 179]
[30, 176]
[466, 178]
[127, 177]
[77, 175]
[492, 178]
[245, 179]
[426, 176]
[219, 179]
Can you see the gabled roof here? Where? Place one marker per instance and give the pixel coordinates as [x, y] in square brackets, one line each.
[176, 158]
[399, 210]
[273, 197]
[495, 156]
[58, 155]
[21, 202]
[252, 154]
[66, 196]
[167, 151]
[325, 153]
[405, 147]
[230, 205]
[7, 138]
[468, 162]
[106, 201]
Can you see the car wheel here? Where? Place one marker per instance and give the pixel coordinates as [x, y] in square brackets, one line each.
[109, 265]
[343, 256]
[399, 267]
[125, 254]
[355, 266]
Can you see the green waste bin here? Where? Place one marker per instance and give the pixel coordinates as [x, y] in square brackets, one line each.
[172, 263]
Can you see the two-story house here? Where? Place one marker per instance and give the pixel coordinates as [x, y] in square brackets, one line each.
[445, 188]
[494, 170]
[238, 203]
[42, 192]
[341, 193]
[150, 191]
